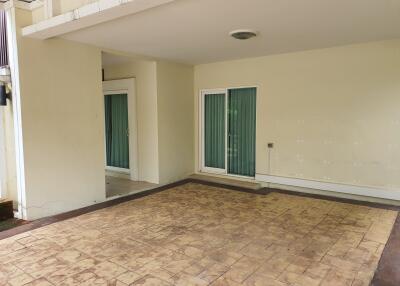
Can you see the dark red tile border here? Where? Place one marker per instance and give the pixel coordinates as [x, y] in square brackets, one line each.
[387, 273]
[60, 217]
[265, 191]
[262, 191]
[339, 200]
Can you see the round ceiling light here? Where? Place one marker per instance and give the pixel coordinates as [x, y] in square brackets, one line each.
[243, 34]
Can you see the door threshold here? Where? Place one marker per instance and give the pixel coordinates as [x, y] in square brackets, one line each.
[237, 181]
[131, 193]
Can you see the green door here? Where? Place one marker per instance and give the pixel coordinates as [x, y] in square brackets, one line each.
[242, 131]
[232, 141]
[214, 131]
[117, 130]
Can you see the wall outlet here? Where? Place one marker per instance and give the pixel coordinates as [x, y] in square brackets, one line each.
[270, 145]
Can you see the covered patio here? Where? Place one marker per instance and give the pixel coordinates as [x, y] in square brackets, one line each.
[198, 233]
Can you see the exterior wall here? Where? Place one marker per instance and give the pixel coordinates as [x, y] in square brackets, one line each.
[175, 121]
[332, 113]
[146, 94]
[61, 107]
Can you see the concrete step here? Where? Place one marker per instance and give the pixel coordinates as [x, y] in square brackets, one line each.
[6, 209]
[236, 182]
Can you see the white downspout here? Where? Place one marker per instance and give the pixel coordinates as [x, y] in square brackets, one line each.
[49, 9]
[16, 102]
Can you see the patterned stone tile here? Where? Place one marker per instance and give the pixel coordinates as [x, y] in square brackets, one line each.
[129, 277]
[20, 280]
[200, 235]
[39, 282]
[150, 280]
[243, 268]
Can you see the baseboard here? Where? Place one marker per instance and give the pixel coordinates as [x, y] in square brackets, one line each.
[332, 187]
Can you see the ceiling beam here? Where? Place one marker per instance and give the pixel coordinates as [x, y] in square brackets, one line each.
[89, 15]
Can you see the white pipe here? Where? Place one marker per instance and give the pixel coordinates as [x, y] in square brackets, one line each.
[48, 9]
[17, 112]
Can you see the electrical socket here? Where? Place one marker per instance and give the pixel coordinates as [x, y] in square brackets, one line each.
[270, 145]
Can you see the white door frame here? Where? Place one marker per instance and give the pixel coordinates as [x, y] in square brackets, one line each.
[203, 167]
[125, 86]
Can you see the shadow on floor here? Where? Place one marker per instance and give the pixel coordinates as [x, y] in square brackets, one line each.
[11, 223]
[120, 186]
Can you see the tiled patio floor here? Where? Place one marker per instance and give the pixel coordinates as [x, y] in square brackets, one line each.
[201, 235]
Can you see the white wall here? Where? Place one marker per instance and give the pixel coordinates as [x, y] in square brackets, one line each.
[175, 121]
[61, 108]
[333, 114]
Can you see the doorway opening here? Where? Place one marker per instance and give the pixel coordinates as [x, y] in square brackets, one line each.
[120, 129]
[117, 132]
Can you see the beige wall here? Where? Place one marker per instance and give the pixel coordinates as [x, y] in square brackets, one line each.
[175, 121]
[146, 93]
[333, 114]
[61, 102]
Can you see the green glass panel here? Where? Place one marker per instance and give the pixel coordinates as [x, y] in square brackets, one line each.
[214, 129]
[117, 140]
[242, 131]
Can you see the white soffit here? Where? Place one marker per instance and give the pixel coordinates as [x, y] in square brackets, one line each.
[197, 31]
[88, 15]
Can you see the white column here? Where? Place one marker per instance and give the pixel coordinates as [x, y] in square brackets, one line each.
[48, 9]
[16, 98]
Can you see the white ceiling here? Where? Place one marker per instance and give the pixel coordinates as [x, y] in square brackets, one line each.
[113, 59]
[196, 31]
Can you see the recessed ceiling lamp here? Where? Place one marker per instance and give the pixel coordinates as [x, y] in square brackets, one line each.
[243, 34]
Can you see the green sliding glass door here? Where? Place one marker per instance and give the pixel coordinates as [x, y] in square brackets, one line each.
[230, 131]
[117, 130]
[242, 131]
[214, 130]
